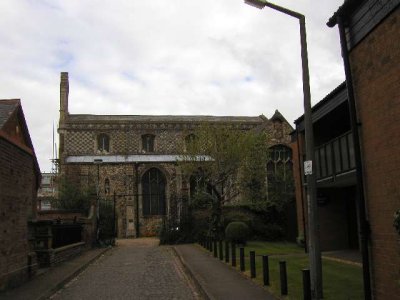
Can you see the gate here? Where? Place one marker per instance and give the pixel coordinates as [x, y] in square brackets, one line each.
[107, 221]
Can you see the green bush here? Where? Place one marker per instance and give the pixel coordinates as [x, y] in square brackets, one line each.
[72, 197]
[237, 232]
[272, 232]
[236, 215]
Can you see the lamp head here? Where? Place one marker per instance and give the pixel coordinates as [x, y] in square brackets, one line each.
[256, 3]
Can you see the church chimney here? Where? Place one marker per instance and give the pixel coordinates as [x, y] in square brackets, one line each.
[64, 90]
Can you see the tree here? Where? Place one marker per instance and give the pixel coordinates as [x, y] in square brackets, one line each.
[216, 156]
[70, 197]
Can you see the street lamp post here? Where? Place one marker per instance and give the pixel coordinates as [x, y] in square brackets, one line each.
[309, 166]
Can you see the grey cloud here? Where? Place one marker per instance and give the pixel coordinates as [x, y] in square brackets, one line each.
[161, 57]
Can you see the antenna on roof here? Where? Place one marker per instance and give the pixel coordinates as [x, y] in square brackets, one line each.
[52, 157]
[54, 160]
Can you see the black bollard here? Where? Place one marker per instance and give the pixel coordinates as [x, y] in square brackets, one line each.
[283, 275]
[306, 284]
[265, 269]
[241, 259]
[252, 264]
[215, 249]
[221, 252]
[226, 251]
[233, 250]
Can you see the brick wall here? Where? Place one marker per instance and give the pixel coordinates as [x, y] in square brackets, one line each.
[375, 64]
[17, 207]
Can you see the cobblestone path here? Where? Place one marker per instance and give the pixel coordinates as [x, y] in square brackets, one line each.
[136, 269]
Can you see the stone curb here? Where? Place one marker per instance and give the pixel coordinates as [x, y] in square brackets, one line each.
[203, 290]
[343, 261]
[47, 294]
[193, 277]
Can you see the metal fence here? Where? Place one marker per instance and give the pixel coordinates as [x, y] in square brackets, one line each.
[107, 221]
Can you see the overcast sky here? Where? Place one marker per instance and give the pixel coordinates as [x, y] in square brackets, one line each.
[181, 57]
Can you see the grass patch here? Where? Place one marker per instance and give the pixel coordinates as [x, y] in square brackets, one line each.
[273, 248]
[340, 280]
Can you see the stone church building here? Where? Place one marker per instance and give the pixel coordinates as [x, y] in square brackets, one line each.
[133, 159]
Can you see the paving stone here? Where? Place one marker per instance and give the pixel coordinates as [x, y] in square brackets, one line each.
[136, 269]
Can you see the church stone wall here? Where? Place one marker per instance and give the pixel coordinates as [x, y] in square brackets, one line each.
[79, 137]
[127, 140]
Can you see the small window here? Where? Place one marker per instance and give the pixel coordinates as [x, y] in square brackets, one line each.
[148, 142]
[189, 139]
[103, 143]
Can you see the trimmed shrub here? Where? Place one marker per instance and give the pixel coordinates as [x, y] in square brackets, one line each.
[237, 215]
[237, 232]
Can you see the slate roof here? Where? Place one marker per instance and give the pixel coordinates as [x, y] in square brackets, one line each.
[165, 118]
[129, 158]
[340, 89]
[7, 107]
[346, 9]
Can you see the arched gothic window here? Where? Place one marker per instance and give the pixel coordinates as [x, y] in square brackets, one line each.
[148, 142]
[153, 192]
[103, 142]
[279, 169]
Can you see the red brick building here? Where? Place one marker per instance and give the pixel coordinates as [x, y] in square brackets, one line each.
[19, 181]
[357, 134]
[370, 35]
